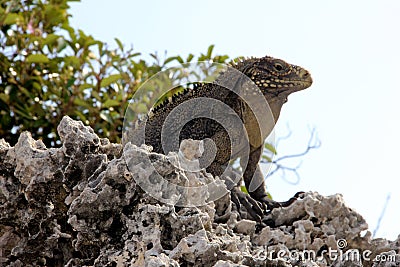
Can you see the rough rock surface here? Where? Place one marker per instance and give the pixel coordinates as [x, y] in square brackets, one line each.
[80, 205]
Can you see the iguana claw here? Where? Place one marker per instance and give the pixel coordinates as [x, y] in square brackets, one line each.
[292, 199]
[257, 209]
[252, 206]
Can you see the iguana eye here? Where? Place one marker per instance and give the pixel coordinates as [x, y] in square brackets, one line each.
[278, 66]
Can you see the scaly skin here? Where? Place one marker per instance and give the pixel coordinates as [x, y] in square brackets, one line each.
[274, 77]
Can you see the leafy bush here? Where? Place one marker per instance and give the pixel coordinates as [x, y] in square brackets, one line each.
[49, 69]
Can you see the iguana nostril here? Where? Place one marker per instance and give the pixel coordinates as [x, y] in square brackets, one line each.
[305, 76]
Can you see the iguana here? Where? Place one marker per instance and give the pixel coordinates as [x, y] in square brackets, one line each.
[275, 78]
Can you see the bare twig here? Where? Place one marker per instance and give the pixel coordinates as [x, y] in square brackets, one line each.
[310, 145]
[279, 163]
[282, 138]
[378, 224]
[283, 169]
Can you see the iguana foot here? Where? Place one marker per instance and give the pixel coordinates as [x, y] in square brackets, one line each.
[256, 209]
[253, 207]
[293, 199]
[271, 204]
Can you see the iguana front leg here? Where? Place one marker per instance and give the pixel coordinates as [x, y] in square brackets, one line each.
[254, 179]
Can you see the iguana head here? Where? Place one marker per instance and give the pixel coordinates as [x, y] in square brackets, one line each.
[274, 76]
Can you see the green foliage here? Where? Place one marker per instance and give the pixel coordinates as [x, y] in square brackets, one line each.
[49, 69]
[269, 152]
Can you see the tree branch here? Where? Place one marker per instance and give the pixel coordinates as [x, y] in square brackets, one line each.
[279, 163]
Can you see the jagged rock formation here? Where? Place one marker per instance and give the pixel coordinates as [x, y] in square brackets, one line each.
[79, 205]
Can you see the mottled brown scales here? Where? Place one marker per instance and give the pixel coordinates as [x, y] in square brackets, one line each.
[275, 78]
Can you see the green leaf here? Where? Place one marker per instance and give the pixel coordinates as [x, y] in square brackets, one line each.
[154, 56]
[243, 189]
[110, 79]
[90, 42]
[61, 44]
[119, 44]
[180, 60]
[210, 50]
[81, 102]
[81, 116]
[12, 18]
[115, 115]
[100, 46]
[51, 38]
[26, 92]
[37, 86]
[266, 158]
[4, 97]
[221, 59]
[23, 113]
[134, 55]
[70, 82]
[189, 58]
[270, 148]
[37, 58]
[95, 94]
[72, 61]
[110, 103]
[85, 86]
[168, 60]
[71, 32]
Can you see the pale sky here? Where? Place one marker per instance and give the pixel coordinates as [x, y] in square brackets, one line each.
[351, 49]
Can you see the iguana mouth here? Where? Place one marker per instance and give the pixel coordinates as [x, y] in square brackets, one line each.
[285, 89]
